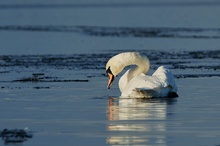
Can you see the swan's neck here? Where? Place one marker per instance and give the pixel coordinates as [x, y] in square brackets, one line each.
[142, 66]
[135, 71]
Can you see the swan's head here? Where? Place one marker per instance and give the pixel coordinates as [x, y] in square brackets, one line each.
[112, 71]
[110, 77]
[113, 67]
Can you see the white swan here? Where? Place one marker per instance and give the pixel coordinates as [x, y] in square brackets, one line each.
[134, 83]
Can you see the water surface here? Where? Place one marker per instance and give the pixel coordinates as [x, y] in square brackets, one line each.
[53, 82]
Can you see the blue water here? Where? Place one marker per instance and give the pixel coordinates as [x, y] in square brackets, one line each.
[48, 23]
[52, 71]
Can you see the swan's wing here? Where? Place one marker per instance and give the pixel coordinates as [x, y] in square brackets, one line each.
[149, 93]
[161, 84]
[144, 92]
[166, 77]
[141, 85]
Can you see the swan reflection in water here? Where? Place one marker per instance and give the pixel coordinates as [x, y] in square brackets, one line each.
[137, 121]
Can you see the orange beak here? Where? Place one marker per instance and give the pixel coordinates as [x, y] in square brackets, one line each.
[110, 79]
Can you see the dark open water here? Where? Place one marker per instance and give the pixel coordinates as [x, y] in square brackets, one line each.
[53, 82]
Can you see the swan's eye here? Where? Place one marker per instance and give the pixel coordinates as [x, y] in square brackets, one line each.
[108, 71]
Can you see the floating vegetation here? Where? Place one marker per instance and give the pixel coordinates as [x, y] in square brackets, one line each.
[39, 77]
[105, 31]
[196, 75]
[181, 60]
[63, 68]
[15, 135]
